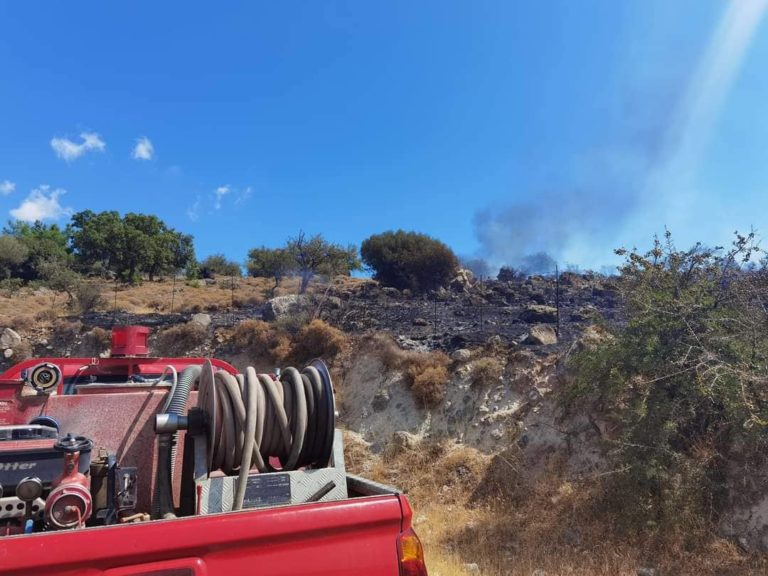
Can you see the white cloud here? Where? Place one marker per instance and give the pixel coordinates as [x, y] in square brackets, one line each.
[41, 204]
[69, 150]
[6, 187]
[193, 212]
[245, 193]
[143, 149]
[219, 193]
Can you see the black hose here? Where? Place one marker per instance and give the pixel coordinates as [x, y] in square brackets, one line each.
[162, 503]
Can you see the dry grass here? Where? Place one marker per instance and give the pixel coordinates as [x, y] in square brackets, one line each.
[158, 296]
[181, 339]
[271, 342]
[262, 340]
[487, 371]
[425, 372]
[551, 524]
[318, 339]
[428, 381]
[96, 341]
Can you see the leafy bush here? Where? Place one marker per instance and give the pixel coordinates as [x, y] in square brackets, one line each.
[87, 296]
[304, 256]
[262, 340]
[510, 274]
[59, 277]
[684, 379]
[409, 260]
[318, 340]
[42, 243]
[218, 265]
[273, 263]
[130, 246]
[11, 286]
[12, 253]
[293, 322]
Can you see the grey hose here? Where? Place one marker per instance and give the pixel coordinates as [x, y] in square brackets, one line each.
[162, 504]
[258, 417]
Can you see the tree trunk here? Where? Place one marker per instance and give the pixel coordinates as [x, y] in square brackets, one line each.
[306, 276]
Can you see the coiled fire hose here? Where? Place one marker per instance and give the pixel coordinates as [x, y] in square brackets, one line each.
[252, 417]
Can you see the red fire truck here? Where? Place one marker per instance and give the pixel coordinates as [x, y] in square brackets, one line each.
[143, 466]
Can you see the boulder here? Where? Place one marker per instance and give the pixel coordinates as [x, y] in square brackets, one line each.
[542, 335]
[281, 306]
[202, 319]
[461, 355]
[462, 282]
[539, 313]
[402, 441]
[9, 338]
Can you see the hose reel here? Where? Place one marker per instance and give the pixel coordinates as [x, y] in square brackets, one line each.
[250, 422]
[44, 377]
[293, 417]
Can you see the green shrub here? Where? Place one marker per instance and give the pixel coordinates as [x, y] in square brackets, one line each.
[409, 260]
[11, 286]
[86, 296]
[683, 380]
[217, 265]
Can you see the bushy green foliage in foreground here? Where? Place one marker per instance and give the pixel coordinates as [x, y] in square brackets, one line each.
[684, 381]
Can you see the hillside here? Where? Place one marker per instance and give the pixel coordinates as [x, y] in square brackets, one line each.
[504, 478]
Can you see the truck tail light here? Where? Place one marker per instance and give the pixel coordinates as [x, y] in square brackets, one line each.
[411, 554]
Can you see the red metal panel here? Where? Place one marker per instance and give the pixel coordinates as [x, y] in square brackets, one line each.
[130, 341]
[351, 537]
[122, 423]
[84, 368]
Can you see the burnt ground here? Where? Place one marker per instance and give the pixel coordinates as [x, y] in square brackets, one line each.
[466, 314]
[470, 314]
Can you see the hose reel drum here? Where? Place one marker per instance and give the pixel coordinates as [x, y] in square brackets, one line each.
[44, 377]
[260, 440]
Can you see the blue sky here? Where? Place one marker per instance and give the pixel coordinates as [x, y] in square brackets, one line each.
[502, 128]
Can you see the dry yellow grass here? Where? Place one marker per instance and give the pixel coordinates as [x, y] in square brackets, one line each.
[553, 526]
[30, 305]
[425, 372]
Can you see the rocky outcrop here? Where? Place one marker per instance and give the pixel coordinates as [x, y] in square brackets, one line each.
[542, 335]
[202, 319]
[539, 313]
[282, 306]
[9, 338]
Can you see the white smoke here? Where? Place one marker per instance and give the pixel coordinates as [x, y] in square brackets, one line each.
[669, 193]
